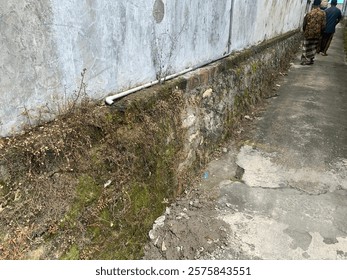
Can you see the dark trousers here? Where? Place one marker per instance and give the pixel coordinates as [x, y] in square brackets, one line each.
[325, 42]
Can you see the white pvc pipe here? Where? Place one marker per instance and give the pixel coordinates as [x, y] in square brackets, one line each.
[110, 99]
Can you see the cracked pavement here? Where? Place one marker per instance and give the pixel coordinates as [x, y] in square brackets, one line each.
[283, 193]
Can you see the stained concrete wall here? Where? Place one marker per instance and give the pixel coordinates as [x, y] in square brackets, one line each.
[45, 45]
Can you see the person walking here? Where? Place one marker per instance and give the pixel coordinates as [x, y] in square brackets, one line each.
[333, 17]
[313, 27]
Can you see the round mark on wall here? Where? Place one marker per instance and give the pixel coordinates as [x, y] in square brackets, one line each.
[158, 10]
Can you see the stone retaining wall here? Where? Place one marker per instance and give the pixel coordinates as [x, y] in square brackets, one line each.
[219, 95]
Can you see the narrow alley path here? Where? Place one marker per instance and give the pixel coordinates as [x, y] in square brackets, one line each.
[290, 199]
[292, 202]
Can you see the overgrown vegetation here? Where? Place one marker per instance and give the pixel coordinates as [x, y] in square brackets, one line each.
[90, 184]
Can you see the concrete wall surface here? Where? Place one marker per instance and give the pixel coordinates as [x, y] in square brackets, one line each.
[344, 9]
[45, 45]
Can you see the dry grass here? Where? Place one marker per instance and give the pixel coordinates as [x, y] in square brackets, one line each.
[89, 184]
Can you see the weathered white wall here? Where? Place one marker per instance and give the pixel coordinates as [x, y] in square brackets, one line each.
[255, 21]
[28, 62]
[45, 45]
[122, 44]
[344, 9]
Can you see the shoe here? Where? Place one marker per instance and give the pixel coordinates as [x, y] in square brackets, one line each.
[324, 54]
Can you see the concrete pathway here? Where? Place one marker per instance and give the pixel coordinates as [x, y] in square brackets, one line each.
[291, 202]
[283, 193]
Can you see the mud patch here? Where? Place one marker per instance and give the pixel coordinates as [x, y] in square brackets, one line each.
[188, 230]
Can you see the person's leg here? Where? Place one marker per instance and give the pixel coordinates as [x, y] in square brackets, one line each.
[305, 48]
[319, 46]
[326, 46]
[323, 42]
[309, 51]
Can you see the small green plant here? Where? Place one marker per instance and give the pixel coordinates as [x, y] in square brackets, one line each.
[72, 254]
[254, 67]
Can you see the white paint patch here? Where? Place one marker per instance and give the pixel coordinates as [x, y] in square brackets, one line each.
[266, 238]
[262, 171]
[261, 237]
[319, 250]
